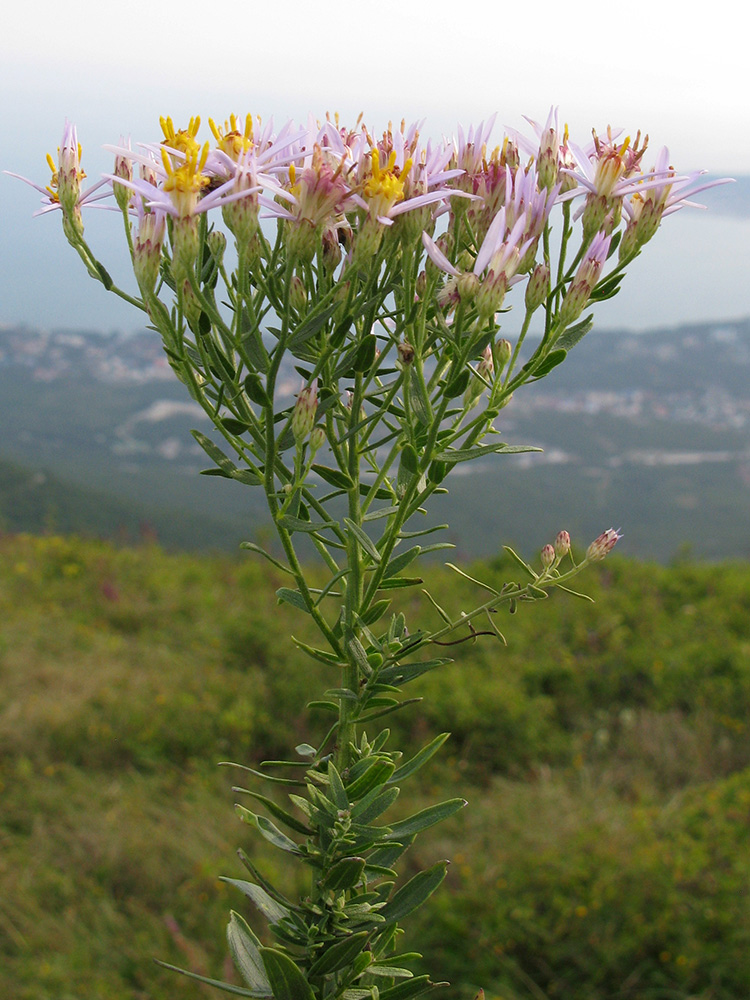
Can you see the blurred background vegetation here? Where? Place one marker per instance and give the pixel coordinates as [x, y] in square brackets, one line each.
[605, 754]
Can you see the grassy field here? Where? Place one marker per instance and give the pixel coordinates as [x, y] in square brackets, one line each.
[605, 754]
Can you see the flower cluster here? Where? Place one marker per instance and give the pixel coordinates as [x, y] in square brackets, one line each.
[337, 191]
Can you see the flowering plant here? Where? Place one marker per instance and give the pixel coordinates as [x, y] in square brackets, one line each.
[392, 264]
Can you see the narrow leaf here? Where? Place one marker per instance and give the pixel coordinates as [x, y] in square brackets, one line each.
[419, 759]
[484, 586]
[520, 562]
[226, 987]
[252, 547]
[364, 539]
[292, 524]
[271, 910]
[339, 955]
[245, 949]
[401, 581]
[335, 477]
[281, 814]
[443, 614]
[345, 874]
[482, 451]
[418, 889]
[570, 337]
[402, 673]
[293, 597]
[336, 785]
[425, 818]
[285, 977]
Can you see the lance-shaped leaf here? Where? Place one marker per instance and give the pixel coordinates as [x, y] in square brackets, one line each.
[401, 561]
[345, 874]
[402, 673]
[544, 367]
[374, 804]
[285, 977]
[225, 464]
[252, 547]
[411, 988]
[245, 949]
[377, 774]
[339, 955]
[271, 910]
[311, 326]
[364, 540]
[418, 760]
[570, 337]
[425, 818]
[411, 896]
[217, 983]
[335, 477]
[281, 814]
[420, 401]
[292, 524]
[255, 390]
[286, 595]
[268, 830]
[484, 450]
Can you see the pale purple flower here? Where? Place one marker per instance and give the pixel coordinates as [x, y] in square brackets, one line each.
[603, 545]
[64, 190]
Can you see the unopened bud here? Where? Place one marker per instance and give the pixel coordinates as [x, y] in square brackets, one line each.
[537, 288]
[468, 285]
[503, 351]
[548, 556]
[303, 416]
[602, 545]
[421, 286]
[217, 244]
[123, 169]
[405, 354]
[297, 294]
[317, 439]
[191, 307]
[185, 241]
[596, 209]
[562, 544]
[147, 250]
[331, 248]
[476, 386]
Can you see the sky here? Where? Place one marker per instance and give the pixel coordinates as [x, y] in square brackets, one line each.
[680, 78]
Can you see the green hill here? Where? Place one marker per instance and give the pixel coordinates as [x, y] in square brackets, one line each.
[605, 754]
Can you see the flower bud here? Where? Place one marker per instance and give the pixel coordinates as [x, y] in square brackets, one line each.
[537, 288]
[331, 249]
[405, 354]
[467, 285]
[548, 556]
[123, 169]
[562, 544]
[421, 286]
[147, 250]
[317, 439]
[217, 244]
[185, 241]
[602, 545]
[191, 307]
[297, 294]
[303, 415]
[503, 351]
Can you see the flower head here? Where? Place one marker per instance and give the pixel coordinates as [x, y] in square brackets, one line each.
[64, 189]
[603, 545]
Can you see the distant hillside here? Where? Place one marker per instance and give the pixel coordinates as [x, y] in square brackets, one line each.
[647, 432]
[38, 501]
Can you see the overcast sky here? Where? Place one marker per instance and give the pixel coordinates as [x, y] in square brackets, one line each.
[114, 69]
